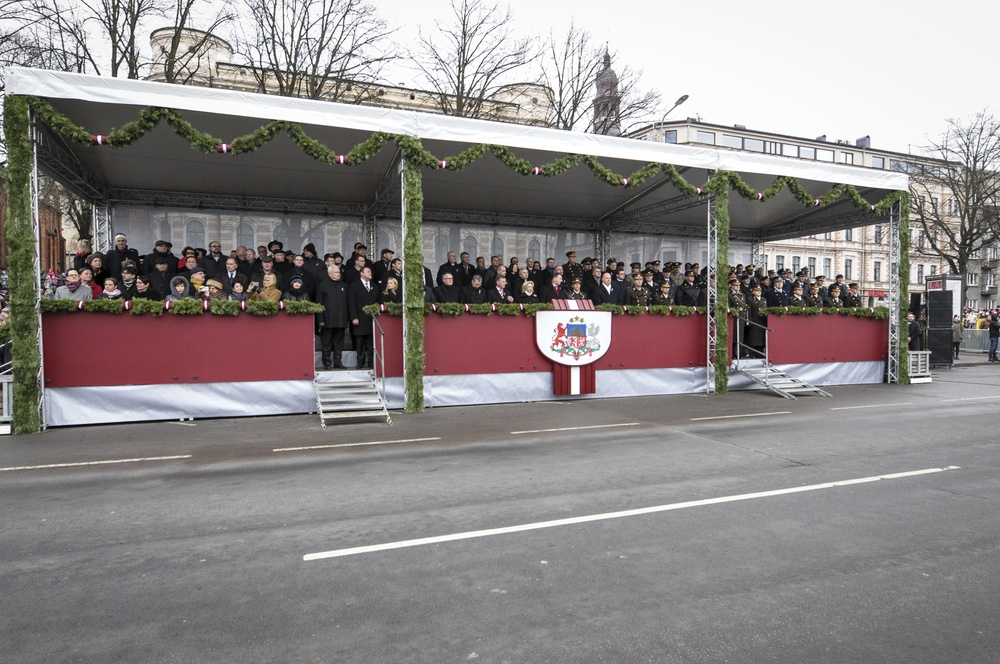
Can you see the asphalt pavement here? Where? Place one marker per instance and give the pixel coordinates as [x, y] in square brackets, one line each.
[689, 528]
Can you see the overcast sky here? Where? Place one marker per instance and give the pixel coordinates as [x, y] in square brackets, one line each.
[894, 71]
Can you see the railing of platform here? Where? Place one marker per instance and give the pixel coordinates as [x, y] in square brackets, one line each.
[379, 363]
[6, 393]
[745, 352]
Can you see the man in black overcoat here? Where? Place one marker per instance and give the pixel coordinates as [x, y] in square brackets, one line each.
[334, 319]
[360, 294]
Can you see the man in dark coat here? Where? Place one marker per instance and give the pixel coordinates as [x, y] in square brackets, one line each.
[214, 261]
[382, 267]
[118, 256]
[360, 294]
[449, 267]
[606, 293]
[775, 296]
[553, 290]
[160, 250]
[333, 321]
[447, 291]
[498, 293]
[474, 293]
[687, 292]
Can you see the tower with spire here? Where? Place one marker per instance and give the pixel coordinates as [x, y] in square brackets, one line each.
[607, 103]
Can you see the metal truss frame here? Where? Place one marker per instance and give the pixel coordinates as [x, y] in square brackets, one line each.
[64, 166]
[712, 336]
[101, 224]
[808, 224]
[895, 254]
[229, 202]
[35, 126]
[757, 252]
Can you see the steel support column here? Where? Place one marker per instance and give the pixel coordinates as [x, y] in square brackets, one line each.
[895, 254]
[757, 254]
[713, 263]
[602, 241]
[101, 227]
[36, 230]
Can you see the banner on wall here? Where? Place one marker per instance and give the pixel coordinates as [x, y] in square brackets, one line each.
[573, 338]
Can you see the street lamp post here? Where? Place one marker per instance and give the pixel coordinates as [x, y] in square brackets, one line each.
[680, 100]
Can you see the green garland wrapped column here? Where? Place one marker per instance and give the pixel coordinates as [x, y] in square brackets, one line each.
[413, 280]
[21, 264]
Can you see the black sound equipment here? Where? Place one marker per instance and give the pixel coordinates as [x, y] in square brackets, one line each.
[915, 304]
[939, 309]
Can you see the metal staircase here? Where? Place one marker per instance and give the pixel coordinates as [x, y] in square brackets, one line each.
[772, 378]
[350, 400]
[754, 364]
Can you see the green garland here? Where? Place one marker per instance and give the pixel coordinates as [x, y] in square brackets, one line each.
[23, 321]
[413, 282]
[415, 157]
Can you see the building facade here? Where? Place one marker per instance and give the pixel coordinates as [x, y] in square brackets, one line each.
[860, 254]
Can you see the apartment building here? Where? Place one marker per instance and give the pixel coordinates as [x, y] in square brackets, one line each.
[860, 254]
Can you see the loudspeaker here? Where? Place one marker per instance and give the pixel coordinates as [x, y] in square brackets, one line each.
[915, 304]
[939, 309]
[940, 345]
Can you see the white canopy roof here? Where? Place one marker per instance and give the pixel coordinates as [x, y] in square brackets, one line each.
[161, 161]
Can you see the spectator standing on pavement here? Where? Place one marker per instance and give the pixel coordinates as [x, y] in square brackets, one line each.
[994, 336]
[957, 334]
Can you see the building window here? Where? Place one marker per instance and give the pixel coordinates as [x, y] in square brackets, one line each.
[934, 204]
[771, 147]
[471, 246]
[244, 235]
[827, 267]
[849, 235]
[920, 239]
[807, 153]
[535, 250]
[753, 144]
[705, 137]
[496, 247]
[789, 150]
[972, 279]
[779, 262]
[953, 207]
[878, 233]
[878, 162]
[796, 263]
[920, 274]
[812, 267]
[991, 304]
[731, 141]
[670, 136]
[877, 271]
[991, 279]
[848, 269]
[847, 157]
[194, 233]
[933, 270]
[827, 236]
[824, 155]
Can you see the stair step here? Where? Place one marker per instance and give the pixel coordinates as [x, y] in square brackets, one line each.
[353, 414]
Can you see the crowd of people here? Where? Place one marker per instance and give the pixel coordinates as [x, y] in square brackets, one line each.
[343, 286]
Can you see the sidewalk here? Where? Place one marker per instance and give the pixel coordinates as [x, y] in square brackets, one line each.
[970, 358]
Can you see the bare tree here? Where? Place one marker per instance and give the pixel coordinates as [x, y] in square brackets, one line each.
[954, 199]
[571, 64]
[470, 59]
[318, 49]
[181, 60]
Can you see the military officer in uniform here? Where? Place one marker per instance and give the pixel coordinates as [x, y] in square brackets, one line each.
[738, 309]
[813, 298]
[833, 300]
[687, 292]
[663, 297]
[637, 295]
[571, 269]
[797, 300]
[852, 298]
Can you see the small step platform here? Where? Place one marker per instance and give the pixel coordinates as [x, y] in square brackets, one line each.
[348, 396]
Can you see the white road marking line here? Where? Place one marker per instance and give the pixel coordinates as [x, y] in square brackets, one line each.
[995, 396]
[875, 405]
[184, 424]
[374, 442]
[337, 553]
[96, 463]
[729, 417]
[595, 426]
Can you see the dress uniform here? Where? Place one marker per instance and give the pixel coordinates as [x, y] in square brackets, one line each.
[571, 269]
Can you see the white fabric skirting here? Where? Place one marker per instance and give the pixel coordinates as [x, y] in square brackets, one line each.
[68, 406]
[471, 389]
